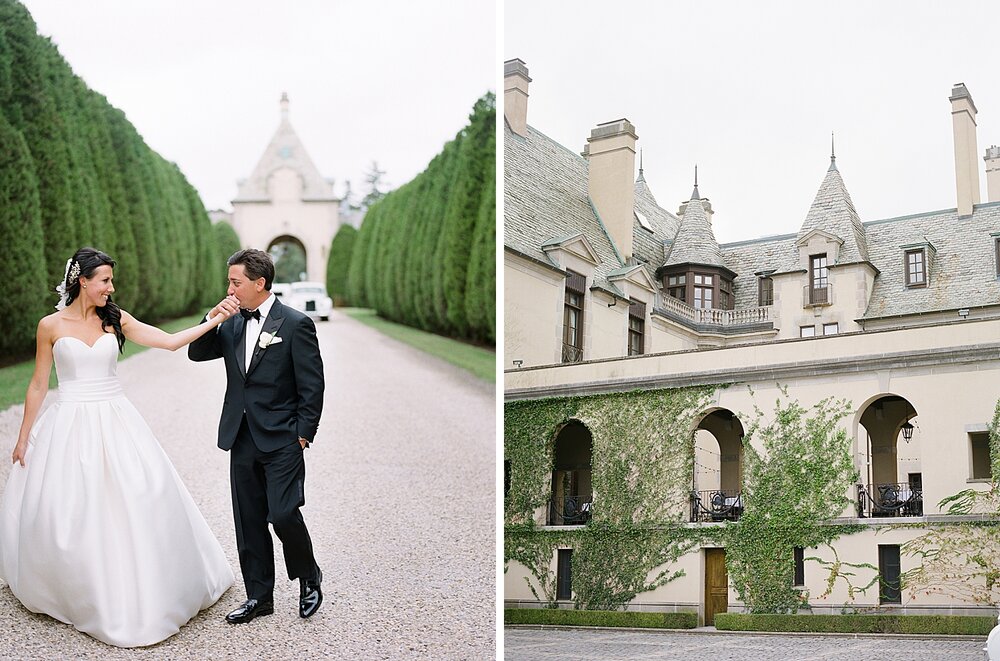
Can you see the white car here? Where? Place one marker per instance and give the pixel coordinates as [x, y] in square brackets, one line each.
[309, 297]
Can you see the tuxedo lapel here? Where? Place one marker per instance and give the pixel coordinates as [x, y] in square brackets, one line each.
[240, 343]
[271, 325]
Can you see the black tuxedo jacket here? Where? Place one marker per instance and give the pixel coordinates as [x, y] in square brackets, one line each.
[282, 390]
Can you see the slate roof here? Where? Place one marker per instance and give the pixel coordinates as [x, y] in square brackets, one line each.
[695, 241]
[833, 211]
[285, 150]
[545, 197]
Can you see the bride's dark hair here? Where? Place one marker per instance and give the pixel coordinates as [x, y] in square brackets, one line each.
[89, 259]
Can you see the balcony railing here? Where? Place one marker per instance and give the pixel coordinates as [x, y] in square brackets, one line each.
[900, 499]
[716, 505]
[713, 317]
[816, 295]
[571, 354]
[570, 510]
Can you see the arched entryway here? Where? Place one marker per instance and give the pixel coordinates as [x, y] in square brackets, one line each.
[289, 255]
[889, 452]
[572, 492]
[718, 467]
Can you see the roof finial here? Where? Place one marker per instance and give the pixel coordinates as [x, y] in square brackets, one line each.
[694, 193]
[641, 178]
[833, 154]
[284, 105]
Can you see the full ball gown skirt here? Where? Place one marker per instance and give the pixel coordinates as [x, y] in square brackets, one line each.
[98, 530]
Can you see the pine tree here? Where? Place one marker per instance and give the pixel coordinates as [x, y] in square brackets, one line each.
[22, 270]
[339, 263]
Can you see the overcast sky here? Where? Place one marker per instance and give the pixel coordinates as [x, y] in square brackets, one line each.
[201, 80]
[750, 91]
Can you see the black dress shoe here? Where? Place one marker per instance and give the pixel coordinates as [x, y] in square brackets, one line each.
[250, 609]
[310, 595]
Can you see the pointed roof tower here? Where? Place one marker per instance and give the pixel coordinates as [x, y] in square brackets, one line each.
[695, 241]
[285, 151]
[833, 211]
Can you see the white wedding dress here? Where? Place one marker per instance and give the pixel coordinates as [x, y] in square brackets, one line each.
[97, 529]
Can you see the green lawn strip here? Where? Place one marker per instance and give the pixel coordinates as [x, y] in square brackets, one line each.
[479, 361]
[14, 378]
[854, 623]
[588, 618]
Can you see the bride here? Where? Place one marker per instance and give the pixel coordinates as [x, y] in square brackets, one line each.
[96, 527]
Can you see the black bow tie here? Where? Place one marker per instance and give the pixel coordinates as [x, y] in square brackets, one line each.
[250, 314]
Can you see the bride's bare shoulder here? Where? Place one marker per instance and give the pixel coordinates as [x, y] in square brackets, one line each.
[48, 324]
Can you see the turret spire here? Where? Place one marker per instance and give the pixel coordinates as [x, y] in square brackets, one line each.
[641, 178]
[694, 194]
[833, 154]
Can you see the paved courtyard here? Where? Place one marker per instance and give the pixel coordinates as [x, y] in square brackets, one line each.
[400, 503]
[578, 645]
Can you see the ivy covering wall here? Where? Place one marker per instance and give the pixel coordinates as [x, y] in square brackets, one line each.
[962, 560]
[797, 473]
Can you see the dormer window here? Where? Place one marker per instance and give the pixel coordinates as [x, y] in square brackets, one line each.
[765, 290]
[819, 279]
[917, 261]
[916, 268]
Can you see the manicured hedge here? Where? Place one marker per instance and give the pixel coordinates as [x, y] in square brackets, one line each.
[425, 253]
[75, 172]
[915, 624]
[586, 618]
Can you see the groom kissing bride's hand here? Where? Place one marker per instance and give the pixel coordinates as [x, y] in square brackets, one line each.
[274, 398]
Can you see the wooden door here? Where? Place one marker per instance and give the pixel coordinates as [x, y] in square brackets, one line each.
[716, 584]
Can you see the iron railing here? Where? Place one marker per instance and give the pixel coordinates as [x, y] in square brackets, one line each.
[570, 510]
[812, 295]
[716, 505]
[899, 499]
[571, 354]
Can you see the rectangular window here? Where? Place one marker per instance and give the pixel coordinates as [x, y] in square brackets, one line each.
[704, 286]
[818, 279]
[807, 331]
[888, 569]
[765, 291]
[564, 574]
[677, 287]
[831, 329]
[980, 444]
[636, 327]
[573, 318]
[916, 273]
[800, 566]
[996, 252]
[726, 299]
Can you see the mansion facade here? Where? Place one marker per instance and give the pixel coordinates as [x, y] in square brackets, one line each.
[609, 292]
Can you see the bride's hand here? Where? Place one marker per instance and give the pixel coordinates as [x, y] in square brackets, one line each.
[226, 308]
[20, 450]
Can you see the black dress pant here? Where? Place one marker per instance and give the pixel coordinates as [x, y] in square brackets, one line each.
[269, 487]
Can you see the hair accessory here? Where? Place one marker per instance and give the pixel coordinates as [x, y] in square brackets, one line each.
[70, 275]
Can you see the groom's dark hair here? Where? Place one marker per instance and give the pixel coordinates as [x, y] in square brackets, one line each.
[256, 263]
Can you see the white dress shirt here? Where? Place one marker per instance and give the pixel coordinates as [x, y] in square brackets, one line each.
[253, 327]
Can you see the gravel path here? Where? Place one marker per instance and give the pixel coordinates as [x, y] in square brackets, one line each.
[400, 502]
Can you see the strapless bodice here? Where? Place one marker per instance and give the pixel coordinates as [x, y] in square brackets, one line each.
[87, 373]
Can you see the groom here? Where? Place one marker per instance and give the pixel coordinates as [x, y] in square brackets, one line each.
[273, 402]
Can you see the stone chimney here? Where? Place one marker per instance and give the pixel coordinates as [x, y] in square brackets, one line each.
[992, 159]
[963, 117]
[515, 95]
[611, 154]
